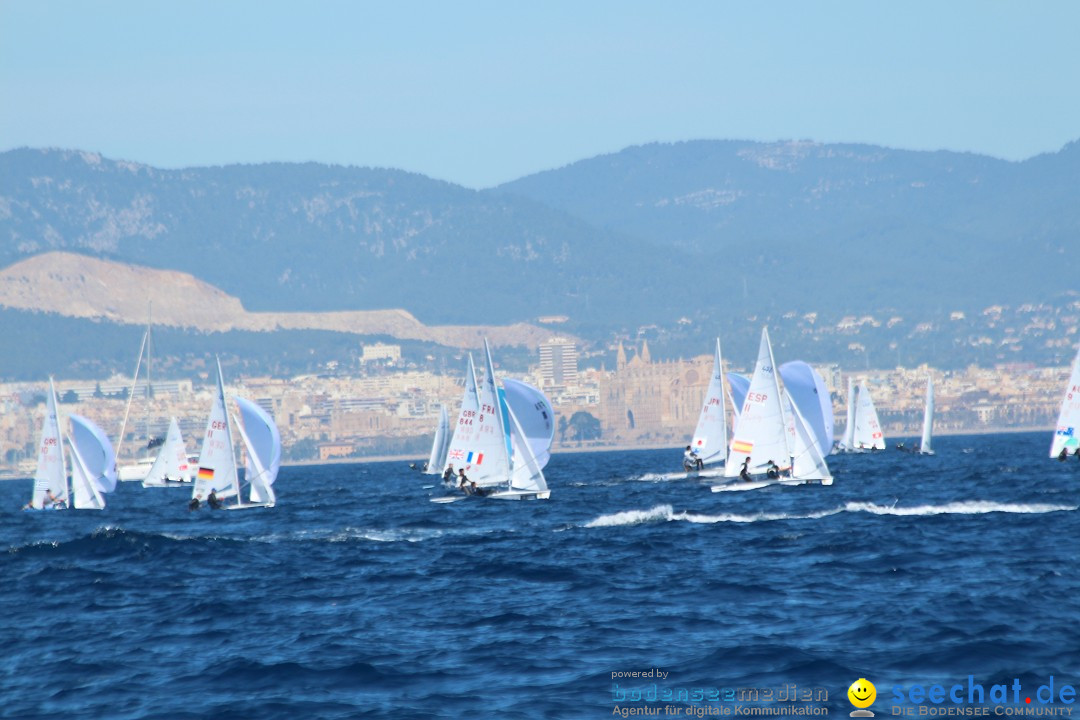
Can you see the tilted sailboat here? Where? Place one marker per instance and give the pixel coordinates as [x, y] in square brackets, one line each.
[1067, 433]
[262, 445]
[771, 428]
[93, 464]
[217, 461]
[808, 392]
[926, 443]
[50, 478]
[440, 446]
[502, 457]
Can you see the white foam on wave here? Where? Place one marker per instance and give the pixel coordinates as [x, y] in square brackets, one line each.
[963, 507]
[665, 513]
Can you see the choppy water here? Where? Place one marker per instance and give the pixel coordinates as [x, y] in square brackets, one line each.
[356, 597]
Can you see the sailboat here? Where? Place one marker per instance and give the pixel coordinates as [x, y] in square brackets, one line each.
[50, 478]
[440, 446]
[461, 442]
[808, 392]
[710, 441]
[139, 468]
[771, 428]
[848, 443]
[867, 435]
[93, 464]
[1067, 434]
[262, 445]
[217, 461]
[502, 457]
[926, 443]
[171, 467]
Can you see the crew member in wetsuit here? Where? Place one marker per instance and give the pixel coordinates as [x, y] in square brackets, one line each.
[745, 472]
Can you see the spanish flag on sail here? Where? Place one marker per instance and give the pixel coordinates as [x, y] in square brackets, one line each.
[742, 446]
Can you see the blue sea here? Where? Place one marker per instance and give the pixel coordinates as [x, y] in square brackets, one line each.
[356, 597]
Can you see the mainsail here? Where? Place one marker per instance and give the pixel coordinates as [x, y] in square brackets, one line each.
[217, 465]
[762, 430]
[93, 464]
[262, 443]
[868, 433]
[1067, 434]
[710, 440]
[51, 474]
[926, 444]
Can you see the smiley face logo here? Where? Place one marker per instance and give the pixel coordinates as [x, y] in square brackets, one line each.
[862, 693]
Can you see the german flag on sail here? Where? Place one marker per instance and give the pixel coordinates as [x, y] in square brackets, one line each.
[206, 473]
[742, 446]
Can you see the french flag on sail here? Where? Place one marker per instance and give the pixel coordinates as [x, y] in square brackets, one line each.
[479, 458]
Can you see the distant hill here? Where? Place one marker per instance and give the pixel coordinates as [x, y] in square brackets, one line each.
[81, 287]
[314, 237]
[672, 242]
[838, 228]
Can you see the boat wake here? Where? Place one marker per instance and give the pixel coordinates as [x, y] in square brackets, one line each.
[665, 513]
[963, 507]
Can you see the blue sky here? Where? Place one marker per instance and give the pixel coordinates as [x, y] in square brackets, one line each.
[479, 93]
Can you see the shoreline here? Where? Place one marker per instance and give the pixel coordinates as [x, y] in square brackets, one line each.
[4, 474]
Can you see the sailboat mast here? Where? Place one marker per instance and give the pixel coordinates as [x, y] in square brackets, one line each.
[228, 433]
[131, 395]
[783, 414]
[498, 411]
[149, 367]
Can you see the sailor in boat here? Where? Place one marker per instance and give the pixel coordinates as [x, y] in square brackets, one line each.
[212, 500]
[744, 473]
[1064, 454]
[463, 482]
[477, 491]
[448, 475]
[196, 503]
[773, 471]
[49, 502]
[691, 461]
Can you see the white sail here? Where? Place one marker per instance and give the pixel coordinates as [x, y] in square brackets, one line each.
[762, 430]
[527, 475]
[217, 465]
[926, 444]
[738, 386]
[807, 390]
[710, 440]
[848, 443]
[439, 445]
[868, 433]
[50, 478]
[262, 441]
[534, 415]
[1067, 434]
[487, 461]
[465, 429]
[93, 464]
[808, 460]
[171, 463]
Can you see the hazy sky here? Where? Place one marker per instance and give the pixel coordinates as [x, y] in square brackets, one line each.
[483, 92]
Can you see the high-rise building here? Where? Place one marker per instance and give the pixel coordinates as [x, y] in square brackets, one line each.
[558, 363]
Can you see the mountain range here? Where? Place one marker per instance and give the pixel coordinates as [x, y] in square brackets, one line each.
[714, 236]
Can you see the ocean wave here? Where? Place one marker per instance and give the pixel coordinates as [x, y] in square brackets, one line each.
[665, 513]
[962, 507]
